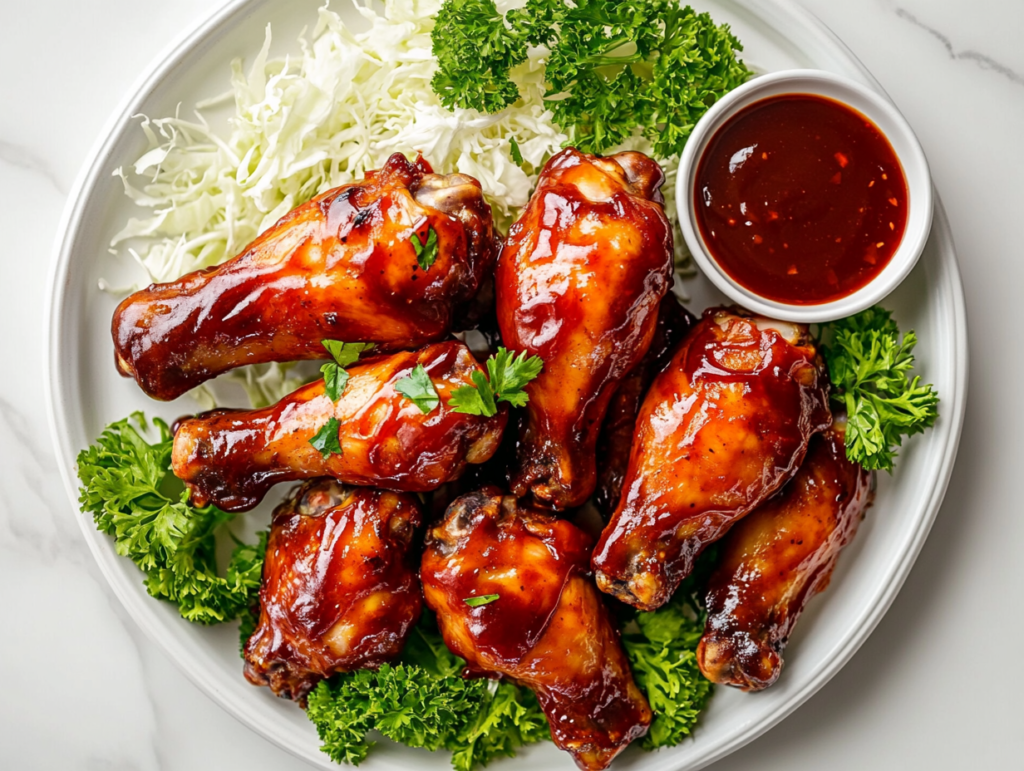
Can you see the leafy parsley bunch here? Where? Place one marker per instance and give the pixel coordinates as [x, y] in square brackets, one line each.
[423, 701]
[128, 487]
[870, 370]
[614, 67]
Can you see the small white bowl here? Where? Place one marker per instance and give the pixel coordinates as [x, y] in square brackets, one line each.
[880, 111]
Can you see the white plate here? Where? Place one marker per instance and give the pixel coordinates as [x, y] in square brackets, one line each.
[85, 393]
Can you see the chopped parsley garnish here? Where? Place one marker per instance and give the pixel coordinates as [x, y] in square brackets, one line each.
[483, 599]
[335, 380]
[426, 253]
[477, 399]
[517, 154]
[870, 369]
[344, 355]
[508, 375]
[326, 440]
[419, 389]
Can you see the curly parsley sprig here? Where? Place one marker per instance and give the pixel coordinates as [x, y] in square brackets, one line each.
[128, 487]
[423, 701]
[870, 370]
[475, 51]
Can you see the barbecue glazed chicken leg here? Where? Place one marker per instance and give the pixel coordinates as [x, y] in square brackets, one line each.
[723, 427]
[339, 590]
[578, 283]
[231, 458]
[616, 438]
[548, 629]
[775, 560]
[342, 267]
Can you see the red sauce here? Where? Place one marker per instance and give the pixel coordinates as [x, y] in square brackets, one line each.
[801, 199]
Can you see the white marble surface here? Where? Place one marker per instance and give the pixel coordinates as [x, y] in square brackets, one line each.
[937, 686]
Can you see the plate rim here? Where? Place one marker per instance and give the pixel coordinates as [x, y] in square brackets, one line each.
[136, 603]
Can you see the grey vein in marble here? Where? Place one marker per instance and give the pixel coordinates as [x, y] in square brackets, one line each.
[983, 61]
[20, 158]
[37, 524]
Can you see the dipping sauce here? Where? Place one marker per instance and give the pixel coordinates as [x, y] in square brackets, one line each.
[801, 199]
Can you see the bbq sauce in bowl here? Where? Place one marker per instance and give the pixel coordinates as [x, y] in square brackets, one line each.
[800, 199]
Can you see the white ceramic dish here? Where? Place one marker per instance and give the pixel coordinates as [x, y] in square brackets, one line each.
[870, 103]
[85, 393]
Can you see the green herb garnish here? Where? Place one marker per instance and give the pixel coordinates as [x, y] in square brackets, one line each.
[517, 154]
[423, 701]
[662, 655]
[508, 376]
[344, 355]
[128, 487]
[326, 440]
[870, 369]
[475, 51]
[419, 389]
[426, 253]
[615, 66]
[483, 599]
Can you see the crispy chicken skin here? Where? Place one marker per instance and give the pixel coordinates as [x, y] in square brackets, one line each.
[549, 629]
[578, 283]
[616, 437]
[231, 458]
[340, 590]
[723, 427]
[775, 560]
[340, 267]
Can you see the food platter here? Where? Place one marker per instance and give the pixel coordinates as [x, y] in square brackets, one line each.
[85, 393]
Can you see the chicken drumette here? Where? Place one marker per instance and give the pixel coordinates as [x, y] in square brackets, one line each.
[778, 558]
[548, 629]
[231, 458]
[342, 266]
[724, 426]
[339, 590]
[578, 283]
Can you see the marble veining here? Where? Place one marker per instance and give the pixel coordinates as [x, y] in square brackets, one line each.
[38, 525]
[23, 158]
[983, 61]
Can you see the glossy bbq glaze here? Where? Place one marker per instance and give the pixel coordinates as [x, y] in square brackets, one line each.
[616, 437]
[231, 458]
[724, 426]
[775, 560]
[340, 267]
[340, 589]
[549, 629]
[801, 199]
[579, 281]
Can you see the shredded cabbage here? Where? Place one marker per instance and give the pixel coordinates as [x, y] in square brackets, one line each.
[305, 124]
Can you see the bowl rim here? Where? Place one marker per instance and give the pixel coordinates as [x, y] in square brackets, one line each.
[873, 105]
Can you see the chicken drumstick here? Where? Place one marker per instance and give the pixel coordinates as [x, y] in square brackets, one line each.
[343, 266]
